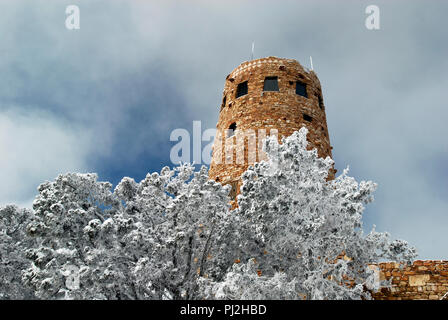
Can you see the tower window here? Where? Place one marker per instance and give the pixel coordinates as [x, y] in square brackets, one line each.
[223, 105]
[231, 130]
[321, 101]
[307, 118]
[301, 89]
[241, 90]
[270, 84]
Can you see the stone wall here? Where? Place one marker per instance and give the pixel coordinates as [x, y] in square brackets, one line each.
[283, 110]
[423, 280]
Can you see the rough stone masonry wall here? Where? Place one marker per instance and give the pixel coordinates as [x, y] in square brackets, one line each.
[282, 110]
[423, 280]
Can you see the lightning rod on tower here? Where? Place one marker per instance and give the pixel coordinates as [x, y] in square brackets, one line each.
[252, 54]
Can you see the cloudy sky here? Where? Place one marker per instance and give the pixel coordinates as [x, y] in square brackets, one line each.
[106, 97]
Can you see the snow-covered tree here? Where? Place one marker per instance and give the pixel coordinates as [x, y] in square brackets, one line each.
[13, 243]
[75, 239]
[295, 235]
[183, 231]
[303, 233]
[147, 240]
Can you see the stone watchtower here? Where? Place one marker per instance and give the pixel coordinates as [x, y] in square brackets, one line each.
[261, 96]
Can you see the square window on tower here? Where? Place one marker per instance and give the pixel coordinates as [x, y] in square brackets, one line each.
[321, 101]
[301, 89]
[307, 118]
[223, 105]
[241, 90]
[270, 84]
